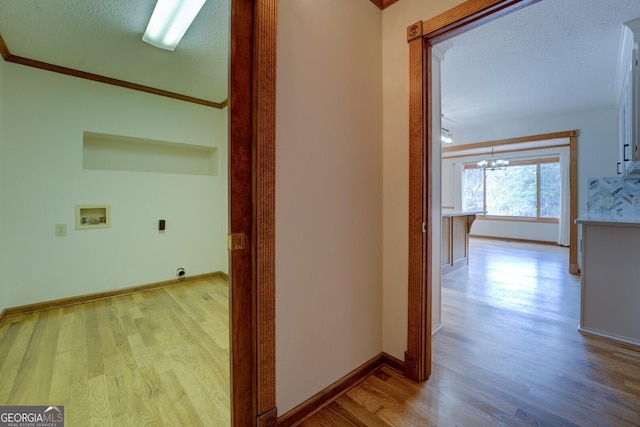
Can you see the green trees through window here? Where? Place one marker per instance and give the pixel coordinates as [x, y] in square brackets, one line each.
[525, 189]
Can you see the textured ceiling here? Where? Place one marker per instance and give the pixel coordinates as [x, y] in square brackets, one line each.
[553, 56]
[105, 37]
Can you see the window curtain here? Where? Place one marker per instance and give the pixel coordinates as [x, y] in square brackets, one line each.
[565, 198]
[458, 186]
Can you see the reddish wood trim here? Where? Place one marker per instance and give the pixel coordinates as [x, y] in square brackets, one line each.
[415, 359]
[392, 362]
[421, 37]
[383, 4]
[573, 203]
[102, 79]
[519, 140]
[335, 390]
[242, 307]
[509, 239]
[388, 3]
[414, 32]
[11, 312]
[469, 15]
[502, 152]
[252, 210]
[4, 50]
[268, 419]
[609, 340]
[264, 100]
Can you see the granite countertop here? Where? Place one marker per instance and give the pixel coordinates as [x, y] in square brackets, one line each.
[453, 212]
[607, 220]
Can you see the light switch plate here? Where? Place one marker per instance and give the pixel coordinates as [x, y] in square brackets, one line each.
[61, 229]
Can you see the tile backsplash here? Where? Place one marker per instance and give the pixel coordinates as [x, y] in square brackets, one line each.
[614, 198]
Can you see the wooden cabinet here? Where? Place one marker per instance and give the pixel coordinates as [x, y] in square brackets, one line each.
[610, 280]
[629, 119]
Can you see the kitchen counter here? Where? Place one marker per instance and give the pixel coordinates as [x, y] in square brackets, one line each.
[456, 226]
[452, 212]
[608, 221]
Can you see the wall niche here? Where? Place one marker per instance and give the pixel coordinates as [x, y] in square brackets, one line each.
[123, 153]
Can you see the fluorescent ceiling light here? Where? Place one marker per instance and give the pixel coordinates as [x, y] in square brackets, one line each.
[169, 21]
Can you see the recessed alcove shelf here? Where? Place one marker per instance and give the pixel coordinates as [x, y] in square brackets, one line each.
[122, 153]
[93, 216]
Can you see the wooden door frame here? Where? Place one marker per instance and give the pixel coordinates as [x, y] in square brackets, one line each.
[421, 36]
[252, 211]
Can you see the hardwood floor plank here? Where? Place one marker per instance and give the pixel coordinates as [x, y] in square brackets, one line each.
[60, 390]
[99, 402]
[388, 409]
[94, 354]
[77, 407]
[37, 361]
[147, 359]
[360, 413]
[117, 386]
[178, 408]
[8, 336]
[509, 353]
[334, 415]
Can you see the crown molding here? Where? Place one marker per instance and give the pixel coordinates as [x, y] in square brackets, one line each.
[9, 57]
[383, 4]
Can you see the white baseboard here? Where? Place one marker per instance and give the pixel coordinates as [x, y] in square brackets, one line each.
[436, 328]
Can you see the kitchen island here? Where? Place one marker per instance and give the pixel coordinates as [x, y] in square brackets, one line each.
[456, 226]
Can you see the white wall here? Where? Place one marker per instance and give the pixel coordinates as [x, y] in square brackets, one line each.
[42, 169]
[328, 193]
[534, 231]
[597, 143]
[2, 236]
[395, 149]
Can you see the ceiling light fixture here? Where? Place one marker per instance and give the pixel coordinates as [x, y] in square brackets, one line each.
[169, 21]
[493, 165]
[445, 136]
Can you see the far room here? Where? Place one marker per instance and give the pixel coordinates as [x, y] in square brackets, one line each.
[524, 135]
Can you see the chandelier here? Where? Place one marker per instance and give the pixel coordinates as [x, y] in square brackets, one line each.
[493, 164]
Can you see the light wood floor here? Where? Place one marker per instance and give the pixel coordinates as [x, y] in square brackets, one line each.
[509, 355]
[148, 359]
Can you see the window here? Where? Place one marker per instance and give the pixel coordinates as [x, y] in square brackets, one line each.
[527, 189]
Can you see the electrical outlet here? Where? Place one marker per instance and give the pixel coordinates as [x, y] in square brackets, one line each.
[635, 200]
[607, 202]
[61, 229]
